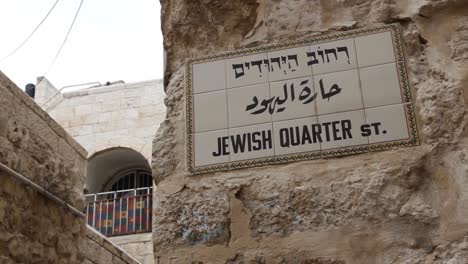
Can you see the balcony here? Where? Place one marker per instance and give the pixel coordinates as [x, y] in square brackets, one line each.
[122, 212]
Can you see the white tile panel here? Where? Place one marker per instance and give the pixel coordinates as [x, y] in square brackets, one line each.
[349, 95]
[380, 85]
[207, 147]
[209, 76]
[251, 142]
[247, 70]
[294, 98]
[375, 49]
[210, 111]
[240, 98]
[295, 136]
[390, 121]
[288, 64]
[342, 130]
[333, 56]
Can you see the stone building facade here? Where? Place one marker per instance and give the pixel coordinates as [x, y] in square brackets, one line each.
[107, 116]
[403, 205]
[115, 123]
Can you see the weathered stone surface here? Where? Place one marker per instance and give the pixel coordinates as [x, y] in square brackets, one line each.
[398, 206]
[185, 40]
[200, 218]
[33, 227]
[139, 246]
[98, 249]
[37, 147]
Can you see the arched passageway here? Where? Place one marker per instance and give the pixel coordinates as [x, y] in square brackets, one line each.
[119, 192]
[107, 166]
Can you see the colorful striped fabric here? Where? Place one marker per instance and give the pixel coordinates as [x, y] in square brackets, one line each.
[122, 216]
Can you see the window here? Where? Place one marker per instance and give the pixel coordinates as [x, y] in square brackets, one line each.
[134, 179]
[125, 208]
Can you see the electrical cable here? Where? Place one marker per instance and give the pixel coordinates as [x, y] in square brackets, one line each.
[66, 38]
[32, 33]
[63, 43]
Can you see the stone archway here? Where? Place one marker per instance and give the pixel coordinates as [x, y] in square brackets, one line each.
[105, 165]
[134, 143]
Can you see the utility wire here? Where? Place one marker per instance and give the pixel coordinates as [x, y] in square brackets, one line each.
[63, 43]
[31, 34]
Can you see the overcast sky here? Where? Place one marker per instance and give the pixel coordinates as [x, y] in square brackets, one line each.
[111, 40]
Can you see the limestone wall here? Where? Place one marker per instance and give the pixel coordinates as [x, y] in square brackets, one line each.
[33, 144]
[46, 92]
[125, 115]
[34, 227]
[398, 206]
[140, 246]
[99, 250]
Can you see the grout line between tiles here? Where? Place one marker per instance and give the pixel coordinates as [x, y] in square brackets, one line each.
[315, 101]
[306, 76]
[227, 105]
[360, 88]
[303, 117]
[271, 116]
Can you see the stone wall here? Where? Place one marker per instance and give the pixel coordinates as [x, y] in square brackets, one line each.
[118, 115]
[34, 227]
[100, 250]
[397, 206]
[140, 246]
[34, 145]
[46, 92]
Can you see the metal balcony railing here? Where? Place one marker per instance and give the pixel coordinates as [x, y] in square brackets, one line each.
[121, 212]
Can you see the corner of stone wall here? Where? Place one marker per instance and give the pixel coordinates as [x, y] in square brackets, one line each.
[99, 249]
[46, 93]
[397, 206]
[35, 145]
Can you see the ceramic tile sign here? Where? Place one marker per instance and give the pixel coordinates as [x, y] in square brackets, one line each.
[333, 95]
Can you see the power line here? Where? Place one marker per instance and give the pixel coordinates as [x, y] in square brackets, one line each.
[32, 33]
[64, 41]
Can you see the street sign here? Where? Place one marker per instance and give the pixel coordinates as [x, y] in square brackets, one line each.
[332, 95]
